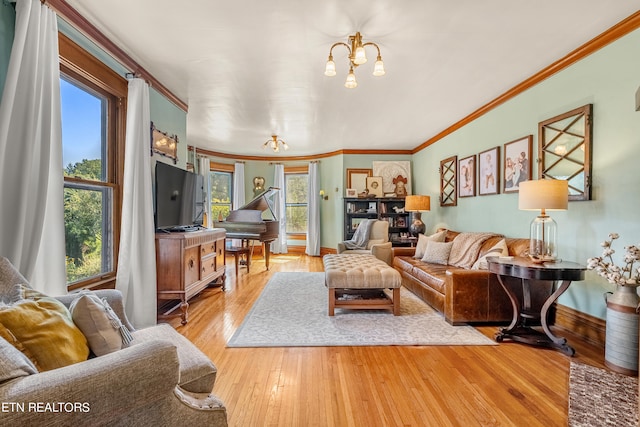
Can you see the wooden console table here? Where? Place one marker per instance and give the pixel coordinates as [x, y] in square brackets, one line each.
[533, 277]
[186, 263]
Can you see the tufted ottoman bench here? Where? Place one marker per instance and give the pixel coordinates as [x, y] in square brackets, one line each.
[358, 281]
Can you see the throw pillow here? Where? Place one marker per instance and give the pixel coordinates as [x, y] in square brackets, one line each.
[421, 246]
[499, 249]
[99, 324]
[437, 252]
[13, 363]
[44, 327]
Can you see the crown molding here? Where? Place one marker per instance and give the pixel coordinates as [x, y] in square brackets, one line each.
[619, 30]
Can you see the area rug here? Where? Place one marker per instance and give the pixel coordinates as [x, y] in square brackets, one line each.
[598, 397]
[292, 312]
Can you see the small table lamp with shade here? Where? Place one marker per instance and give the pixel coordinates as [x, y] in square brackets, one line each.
[416, 204]
[544, 195]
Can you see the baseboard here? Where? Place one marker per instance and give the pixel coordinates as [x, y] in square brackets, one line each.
[591, 329]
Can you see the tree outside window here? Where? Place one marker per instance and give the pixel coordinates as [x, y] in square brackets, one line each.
[296, 201]
[221, 194]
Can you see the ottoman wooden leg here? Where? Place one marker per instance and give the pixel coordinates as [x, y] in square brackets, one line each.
[332, 301]
[396, 301]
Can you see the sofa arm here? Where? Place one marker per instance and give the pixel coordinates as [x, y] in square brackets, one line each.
[404, 251]
[99, 389]
[113, 297]
[466, 296]
[383, 252]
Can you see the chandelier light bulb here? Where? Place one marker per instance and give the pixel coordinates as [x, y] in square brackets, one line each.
[330, 68]
[359, 57]
[351, 82]
[378, 68]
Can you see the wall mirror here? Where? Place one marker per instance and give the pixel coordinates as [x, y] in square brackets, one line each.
[448, 195]
[564, 150]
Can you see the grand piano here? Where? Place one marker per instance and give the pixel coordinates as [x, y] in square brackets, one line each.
[246, 223]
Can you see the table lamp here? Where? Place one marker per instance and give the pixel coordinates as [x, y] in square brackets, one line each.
[544, 195]
[416, 204]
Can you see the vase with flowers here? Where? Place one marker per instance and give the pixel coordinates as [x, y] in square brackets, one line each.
[621, 348]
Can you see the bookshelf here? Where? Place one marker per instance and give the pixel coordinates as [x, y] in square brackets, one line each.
[389, 209]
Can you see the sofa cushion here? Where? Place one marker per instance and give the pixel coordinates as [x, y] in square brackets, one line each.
[499, 249]
[437, 252]
[99, 324]
[423, 240]
[43, 325]
[10, 282]
[13, 363]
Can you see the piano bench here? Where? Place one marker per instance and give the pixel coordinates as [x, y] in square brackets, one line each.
[237, 252]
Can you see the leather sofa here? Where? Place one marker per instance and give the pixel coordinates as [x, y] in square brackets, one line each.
[461, 295]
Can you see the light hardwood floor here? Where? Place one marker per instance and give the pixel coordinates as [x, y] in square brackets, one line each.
[504, 385]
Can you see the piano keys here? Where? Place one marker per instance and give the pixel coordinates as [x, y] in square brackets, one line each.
[246, 223]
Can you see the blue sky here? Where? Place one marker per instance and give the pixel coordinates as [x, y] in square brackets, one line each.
[81, 124]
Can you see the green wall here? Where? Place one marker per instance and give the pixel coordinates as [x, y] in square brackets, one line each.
[608, 79]
[7, 26]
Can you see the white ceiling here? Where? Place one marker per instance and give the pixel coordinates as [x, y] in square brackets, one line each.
[250, 68]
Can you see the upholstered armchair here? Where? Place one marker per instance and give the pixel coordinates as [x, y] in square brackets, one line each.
[161, 378]
[378, 244]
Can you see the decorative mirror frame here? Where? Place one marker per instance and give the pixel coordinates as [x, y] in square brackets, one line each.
[164, 144]
[448, 181]
[550, 157]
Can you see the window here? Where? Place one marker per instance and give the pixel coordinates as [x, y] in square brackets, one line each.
[221, 193]
[92, 137]
[296, 201]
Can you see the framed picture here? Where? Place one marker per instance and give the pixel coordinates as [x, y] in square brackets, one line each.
[396, 176]
[164, 144]
[351, 192]
[517, 163]
[374, 186]
[467, 176]
[448, 172]
[357, 179]
[489, 172]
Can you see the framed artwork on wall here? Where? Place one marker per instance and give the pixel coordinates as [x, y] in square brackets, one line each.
[374, 186]
[489, 172]
[357, 179]
[396, 176]
[467, 176]
[517, 163]
[351, 192]
[448, 196]
[164, 144]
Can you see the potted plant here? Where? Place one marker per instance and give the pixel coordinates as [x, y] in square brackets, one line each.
[621, 349]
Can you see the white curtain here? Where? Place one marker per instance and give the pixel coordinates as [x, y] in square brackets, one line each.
[31, 194]
[204, 169]
[136, 277]
[313, 214]
[238, 193]
[279, 246]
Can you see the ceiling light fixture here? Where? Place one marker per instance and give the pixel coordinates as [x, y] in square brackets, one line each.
[357, 56]
[275, 144]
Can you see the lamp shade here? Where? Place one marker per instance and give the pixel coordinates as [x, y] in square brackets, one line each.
[417, 203]
[544, 194]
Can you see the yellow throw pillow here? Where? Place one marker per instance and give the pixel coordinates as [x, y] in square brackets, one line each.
[44, 327]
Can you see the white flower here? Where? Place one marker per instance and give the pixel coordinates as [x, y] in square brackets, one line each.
[613, 236]
[624, 274]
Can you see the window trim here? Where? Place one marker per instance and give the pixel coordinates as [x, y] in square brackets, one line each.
[78, 65]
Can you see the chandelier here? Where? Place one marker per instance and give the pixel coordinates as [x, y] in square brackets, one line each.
[357, 56]
[275, 144]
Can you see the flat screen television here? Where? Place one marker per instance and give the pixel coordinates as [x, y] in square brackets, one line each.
[178, 199]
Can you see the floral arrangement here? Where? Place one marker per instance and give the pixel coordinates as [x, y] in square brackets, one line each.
[625, 275]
